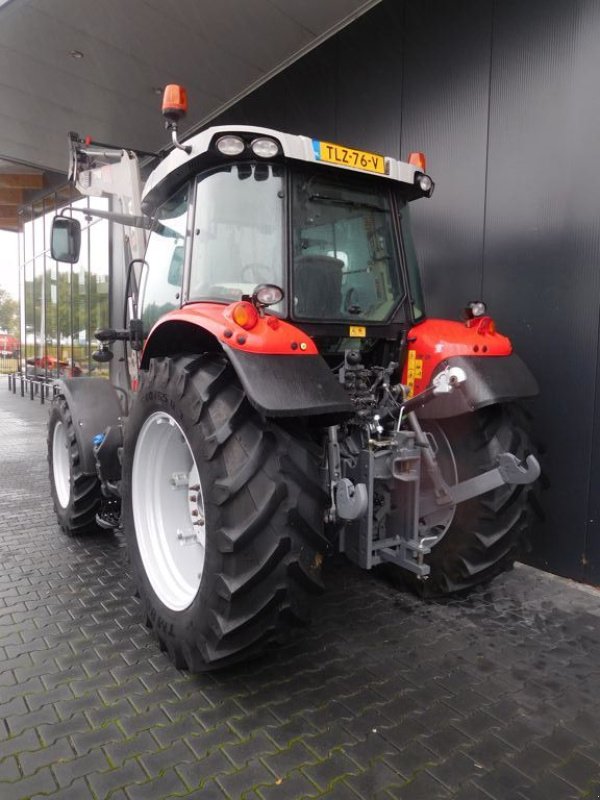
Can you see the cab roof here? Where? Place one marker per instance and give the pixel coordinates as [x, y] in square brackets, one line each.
[179, 164]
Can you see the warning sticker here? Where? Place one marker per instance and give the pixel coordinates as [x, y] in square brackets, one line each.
[357, 331]
[414, 371]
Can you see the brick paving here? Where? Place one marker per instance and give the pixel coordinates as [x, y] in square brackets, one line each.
[493, 696]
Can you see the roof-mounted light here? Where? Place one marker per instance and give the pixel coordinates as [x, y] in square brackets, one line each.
[418, 160]
[264, 147]
[175, 102]
[174, 109]
[476, 308]
[425, 183]
[230, 145]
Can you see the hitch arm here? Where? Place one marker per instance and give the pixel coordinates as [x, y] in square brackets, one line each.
[509, 470]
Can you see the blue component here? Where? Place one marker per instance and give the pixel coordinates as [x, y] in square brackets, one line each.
[317, 149]
[98, 439]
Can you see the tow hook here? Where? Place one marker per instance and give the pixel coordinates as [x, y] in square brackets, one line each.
[349, 501]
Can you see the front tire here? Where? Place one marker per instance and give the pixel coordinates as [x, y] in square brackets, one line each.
[222, 511]
[76, 496]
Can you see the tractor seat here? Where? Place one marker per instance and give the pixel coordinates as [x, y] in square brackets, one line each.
[318, 286]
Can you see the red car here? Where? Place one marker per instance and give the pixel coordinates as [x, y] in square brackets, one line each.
[9, 346]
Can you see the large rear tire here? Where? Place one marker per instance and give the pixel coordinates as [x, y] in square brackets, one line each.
[223, 514]
[76, 497]
[487, 532]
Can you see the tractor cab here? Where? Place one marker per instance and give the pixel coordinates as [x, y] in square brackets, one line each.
[334, 242]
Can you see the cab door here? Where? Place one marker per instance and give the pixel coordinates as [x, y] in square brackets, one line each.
[162, 274]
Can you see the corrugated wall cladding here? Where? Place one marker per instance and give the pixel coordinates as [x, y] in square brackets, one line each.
[503, 98]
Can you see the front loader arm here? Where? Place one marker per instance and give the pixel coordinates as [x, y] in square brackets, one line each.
[103, 171]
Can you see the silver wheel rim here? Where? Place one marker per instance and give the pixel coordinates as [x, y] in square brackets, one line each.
[61, 464]
[437, 523]
[168, 511]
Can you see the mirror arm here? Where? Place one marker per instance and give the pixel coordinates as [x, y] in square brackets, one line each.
[113, 216]
[134, 334]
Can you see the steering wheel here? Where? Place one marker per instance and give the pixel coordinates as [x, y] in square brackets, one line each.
[257, 273]
[351, 304]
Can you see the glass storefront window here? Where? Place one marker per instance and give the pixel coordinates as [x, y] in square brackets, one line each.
[80, 305]
[65, 327]
[39, 366]
[51, 298]
[99, 308]
[28, 350]
[63, 304]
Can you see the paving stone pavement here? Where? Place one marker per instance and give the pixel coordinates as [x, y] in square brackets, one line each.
[494, 696]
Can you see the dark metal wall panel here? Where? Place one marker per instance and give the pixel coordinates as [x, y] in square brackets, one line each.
[584, 156]
[339, 91]
[368, 89]
[444, 114]
[502, 97]
[299, 100]
[541, 238]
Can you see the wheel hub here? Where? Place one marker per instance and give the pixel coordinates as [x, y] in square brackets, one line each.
[61, 464]
[168, 510]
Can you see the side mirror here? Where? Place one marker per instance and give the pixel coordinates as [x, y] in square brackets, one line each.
[65, 241]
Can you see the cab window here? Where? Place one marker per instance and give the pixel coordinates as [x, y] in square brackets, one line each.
[238, 232]
[345, 265]
[163, 273]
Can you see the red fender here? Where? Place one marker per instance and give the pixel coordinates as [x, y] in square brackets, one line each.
[277, 364]
[270, 335]
[434, 340]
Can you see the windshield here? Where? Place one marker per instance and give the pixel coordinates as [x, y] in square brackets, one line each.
[345, 265]
[238, 232]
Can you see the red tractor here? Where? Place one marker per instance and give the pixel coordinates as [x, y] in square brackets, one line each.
[279, 393]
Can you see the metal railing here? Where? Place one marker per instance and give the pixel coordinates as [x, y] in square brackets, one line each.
[9, 364]
[33, 387]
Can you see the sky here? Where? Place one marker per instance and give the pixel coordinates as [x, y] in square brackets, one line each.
[9, 263]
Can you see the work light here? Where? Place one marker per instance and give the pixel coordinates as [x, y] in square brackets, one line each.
[425, 183]
[267, 294]
[230, 145]
[265, 148]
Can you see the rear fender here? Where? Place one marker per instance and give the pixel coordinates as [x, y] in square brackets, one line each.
[94, 406]
[490, 379]
[277, 364]
[494, 373]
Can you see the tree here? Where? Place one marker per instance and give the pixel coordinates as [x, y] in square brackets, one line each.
[9, 313]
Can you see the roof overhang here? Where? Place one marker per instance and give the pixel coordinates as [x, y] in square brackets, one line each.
[98, 66]
[21, 184]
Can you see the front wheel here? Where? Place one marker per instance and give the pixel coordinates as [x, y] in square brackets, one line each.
[222, 511]
[485, 534]
[77, 497]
